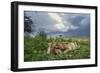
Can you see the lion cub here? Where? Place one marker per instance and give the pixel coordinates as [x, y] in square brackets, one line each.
[57, 48]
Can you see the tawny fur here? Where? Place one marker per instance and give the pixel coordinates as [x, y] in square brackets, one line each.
[57, 48]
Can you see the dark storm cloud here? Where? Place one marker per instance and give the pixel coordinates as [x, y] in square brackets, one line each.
[74, 24]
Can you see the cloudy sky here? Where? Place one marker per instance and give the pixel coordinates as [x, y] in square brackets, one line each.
[66, 24]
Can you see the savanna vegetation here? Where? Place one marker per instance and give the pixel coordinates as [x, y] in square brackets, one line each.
[35, 48]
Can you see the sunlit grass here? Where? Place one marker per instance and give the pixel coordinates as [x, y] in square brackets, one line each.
[35, 49]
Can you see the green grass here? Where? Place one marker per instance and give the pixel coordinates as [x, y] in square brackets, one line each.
[35, 49]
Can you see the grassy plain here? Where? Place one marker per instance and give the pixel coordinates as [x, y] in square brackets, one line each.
[35, 48]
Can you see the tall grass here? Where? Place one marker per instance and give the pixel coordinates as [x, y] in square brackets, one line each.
[35, 49]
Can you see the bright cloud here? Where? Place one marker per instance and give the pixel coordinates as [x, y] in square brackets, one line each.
[56, 17]
[60, 26]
